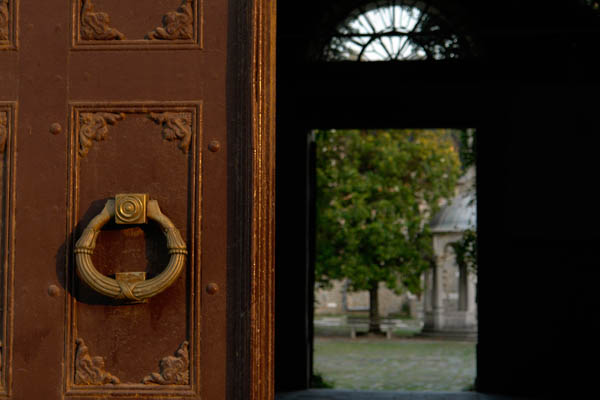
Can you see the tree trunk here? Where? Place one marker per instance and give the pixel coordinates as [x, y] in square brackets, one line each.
[374, 308]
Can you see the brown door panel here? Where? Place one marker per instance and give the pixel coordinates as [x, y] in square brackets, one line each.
[97, 98]
[135, 157]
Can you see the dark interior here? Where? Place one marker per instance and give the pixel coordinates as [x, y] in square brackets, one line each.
[530, 88]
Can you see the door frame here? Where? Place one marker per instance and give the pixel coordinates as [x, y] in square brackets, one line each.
[263, 215]
[251, 215]
[263, 208]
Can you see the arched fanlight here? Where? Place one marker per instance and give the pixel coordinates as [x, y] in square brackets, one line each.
[395, 30]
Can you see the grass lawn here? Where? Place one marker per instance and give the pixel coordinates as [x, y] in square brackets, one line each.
[397, 364]
[344, 331]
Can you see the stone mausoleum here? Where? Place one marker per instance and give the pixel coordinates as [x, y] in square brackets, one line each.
[449, 301]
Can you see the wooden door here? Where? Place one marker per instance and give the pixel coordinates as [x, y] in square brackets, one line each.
[113, 108]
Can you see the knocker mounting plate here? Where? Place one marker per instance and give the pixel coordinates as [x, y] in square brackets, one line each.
[131, 208]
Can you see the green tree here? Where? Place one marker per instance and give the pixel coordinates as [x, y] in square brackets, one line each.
[465, 251]
[376, 191]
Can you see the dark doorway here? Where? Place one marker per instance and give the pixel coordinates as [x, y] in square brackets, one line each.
[533, 107]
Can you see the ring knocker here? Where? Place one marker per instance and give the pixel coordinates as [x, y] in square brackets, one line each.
[129, 286]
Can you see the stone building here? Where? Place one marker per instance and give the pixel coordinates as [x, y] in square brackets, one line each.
[449, 301]
[338, 300]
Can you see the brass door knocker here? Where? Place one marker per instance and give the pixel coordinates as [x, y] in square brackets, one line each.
[129, 286]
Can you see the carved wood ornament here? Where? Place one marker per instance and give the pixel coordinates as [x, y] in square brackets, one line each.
[176, 126]
[176, 24]
[94, 126]
[4, 19]
[96, 25]
[174, 370]
[3, 130]
[90, 370]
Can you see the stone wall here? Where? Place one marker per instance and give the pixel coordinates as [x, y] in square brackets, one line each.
[338, 300]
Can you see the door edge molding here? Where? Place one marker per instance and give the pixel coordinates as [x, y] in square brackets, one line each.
[251, 204]
[263, 204]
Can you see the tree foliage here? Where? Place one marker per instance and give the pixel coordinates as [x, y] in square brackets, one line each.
[465, 250]
[376, 191]
[467, 151]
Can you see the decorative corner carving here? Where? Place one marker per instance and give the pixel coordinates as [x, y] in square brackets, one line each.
[176, 126]
[177, 25]
[96, 25]
[174, 370]
[94, 126]
[90, 370]
[4, 20]
[3, 130]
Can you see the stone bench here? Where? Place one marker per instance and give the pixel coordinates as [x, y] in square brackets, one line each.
[385, 324]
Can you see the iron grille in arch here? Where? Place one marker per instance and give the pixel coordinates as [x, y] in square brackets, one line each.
[389, 30]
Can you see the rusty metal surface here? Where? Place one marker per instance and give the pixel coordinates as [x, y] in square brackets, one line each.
[127, 111]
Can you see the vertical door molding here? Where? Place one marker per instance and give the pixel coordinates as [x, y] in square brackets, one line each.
[8, 24]
[263, 200]
[251, 204]
[8, 149]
